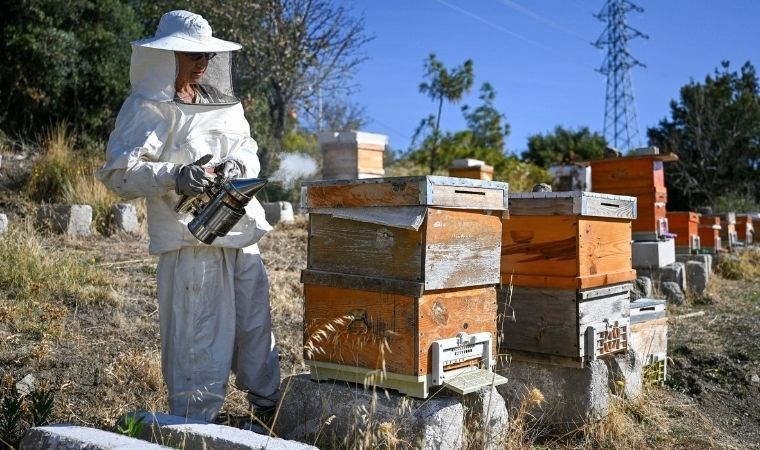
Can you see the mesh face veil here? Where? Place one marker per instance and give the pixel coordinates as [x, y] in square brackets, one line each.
[216, 85]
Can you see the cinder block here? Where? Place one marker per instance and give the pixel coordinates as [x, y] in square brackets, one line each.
[125, 217]
[73, 220]
[194, 434]
[71, 437]
[277, 212]
[647, 254]
[572, 397]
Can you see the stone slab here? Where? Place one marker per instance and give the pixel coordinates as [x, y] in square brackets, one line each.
[72, 437]
[200, 435]
[697, 276]
[125, 217]
[653, 254]
[72, 220]
[625, 374]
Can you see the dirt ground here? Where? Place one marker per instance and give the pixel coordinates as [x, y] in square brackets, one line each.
[106, 362]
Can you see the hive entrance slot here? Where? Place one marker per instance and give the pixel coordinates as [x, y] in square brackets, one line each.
[610, 204]
[457, 191]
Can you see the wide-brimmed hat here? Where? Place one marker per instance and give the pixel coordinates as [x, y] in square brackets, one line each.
[183, 31]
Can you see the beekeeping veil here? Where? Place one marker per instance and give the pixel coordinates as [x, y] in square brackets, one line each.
[153, 70]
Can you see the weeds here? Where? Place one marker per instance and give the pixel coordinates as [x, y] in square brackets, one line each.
[19, 411]
[131, 426]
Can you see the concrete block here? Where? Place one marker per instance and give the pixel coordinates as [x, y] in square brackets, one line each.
[277, 212]
[125, 217]
[704, 258]
[697, 276]
[646, 254]
[72, 220]
[625, 372]
[486, 418]
[672, 292]
[71, 437]
[3, 223]
[572, 397]
[199, 435]
[336, 414]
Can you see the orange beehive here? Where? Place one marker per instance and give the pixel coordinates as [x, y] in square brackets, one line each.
[709, 233]
[572, 240]
[728, 234]
[642, 177]
[745, 230]
[685, 224]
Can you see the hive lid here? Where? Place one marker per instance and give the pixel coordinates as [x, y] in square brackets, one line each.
[646, 309]
[445, 192]
[572, 203]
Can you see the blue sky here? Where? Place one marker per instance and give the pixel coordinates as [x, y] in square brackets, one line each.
[539, 58]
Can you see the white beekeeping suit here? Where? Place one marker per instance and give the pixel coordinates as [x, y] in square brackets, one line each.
[213, 299]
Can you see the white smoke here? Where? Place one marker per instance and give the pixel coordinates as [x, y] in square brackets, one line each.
[293, 167]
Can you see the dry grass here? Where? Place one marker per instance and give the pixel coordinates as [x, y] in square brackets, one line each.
[742, 265]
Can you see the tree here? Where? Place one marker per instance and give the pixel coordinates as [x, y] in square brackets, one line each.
[714, 129]
[65, 63]
[441, 85]
[564, 145]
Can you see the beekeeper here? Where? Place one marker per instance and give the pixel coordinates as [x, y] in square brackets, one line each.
[213, 299]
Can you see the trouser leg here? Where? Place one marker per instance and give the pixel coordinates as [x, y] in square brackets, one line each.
[197, 316]
[256, 361]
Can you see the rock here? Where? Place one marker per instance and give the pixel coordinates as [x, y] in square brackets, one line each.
[697, 275]
[70, 437]
[542, 187]
[125, 217]
[641, 288]
[571, 397]
[486, 418]
[625, 374]
[704, 258]
[191, 434]
[754, 379]
[672, 272]
[72, 220]
[3, 223]
[672, 292]
[277, 212]
[336, 414]
[26, 385]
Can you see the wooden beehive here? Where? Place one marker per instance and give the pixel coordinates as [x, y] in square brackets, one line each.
[471, 168]
[728, 235]
[569, 240]
[685, 225]
[642, 177]
[709, 233]
[745, 229]
[352, 154]
[649, 336]
[356, 325]
[566, 327]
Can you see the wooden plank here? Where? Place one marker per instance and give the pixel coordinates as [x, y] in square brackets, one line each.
[370, 160]
[461, 248]
[541, 321]
[444, 314]
[360, 328]
[359, 248]
[404, 192]
[604, 246]
[540, 358]
[476, 172]
[565, 282]
[650, 338]
[362, 283]
[413, 386]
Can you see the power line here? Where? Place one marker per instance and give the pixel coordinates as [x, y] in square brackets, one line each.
[621, 127]
[546, 21]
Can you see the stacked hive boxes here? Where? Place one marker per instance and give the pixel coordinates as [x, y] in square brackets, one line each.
[728, 235]
[471, 168]
[400, 284]
[644, 178]
[709, 234]
[685, 225]
[745, 230]
[565, 268]
[349, 155]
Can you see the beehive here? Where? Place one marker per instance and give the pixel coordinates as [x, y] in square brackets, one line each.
[567, 327]
[642, 177]
[685, 225]
[745, 230]
[649, 336]
[471, 168]
[394, 265]
[354, 326]
[569, 240]
[728, 235]
[709, 233]
[352, 154]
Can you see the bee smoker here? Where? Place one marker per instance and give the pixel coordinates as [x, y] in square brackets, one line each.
[220, 207]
